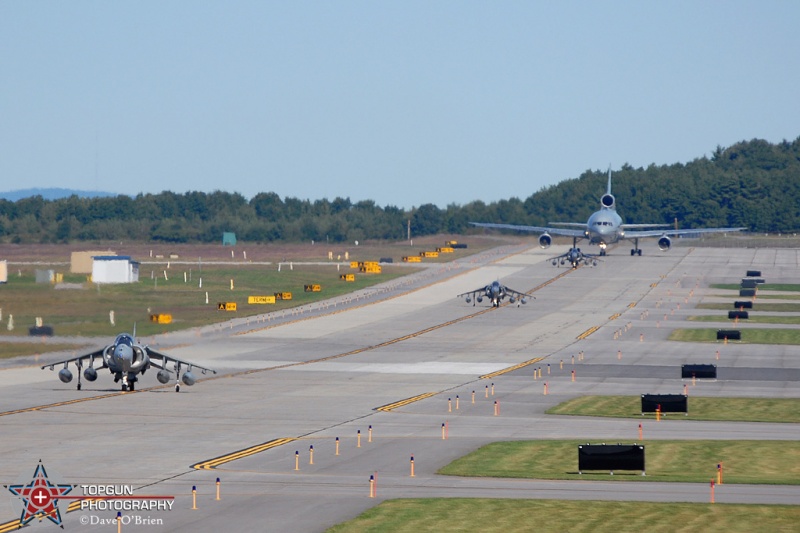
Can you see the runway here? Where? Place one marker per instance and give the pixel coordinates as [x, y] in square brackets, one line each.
[301, 381]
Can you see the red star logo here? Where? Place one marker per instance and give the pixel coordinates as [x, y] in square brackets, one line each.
[40, 497]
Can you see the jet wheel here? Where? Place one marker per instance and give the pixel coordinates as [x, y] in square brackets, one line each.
[177, 388]
[124, 388]
[79, 386]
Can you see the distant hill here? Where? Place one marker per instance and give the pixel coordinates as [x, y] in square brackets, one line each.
[52, 194]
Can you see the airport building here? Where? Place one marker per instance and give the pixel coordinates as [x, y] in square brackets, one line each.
[114, 269]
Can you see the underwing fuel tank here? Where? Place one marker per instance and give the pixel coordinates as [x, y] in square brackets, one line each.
[65, 375]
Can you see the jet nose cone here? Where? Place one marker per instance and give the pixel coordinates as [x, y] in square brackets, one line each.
[123, 352]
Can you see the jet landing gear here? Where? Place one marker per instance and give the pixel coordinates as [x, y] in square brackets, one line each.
[636, 250]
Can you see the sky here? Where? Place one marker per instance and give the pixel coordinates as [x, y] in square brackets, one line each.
[403, 103]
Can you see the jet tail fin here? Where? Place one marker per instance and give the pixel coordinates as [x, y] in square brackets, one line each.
[608, 189]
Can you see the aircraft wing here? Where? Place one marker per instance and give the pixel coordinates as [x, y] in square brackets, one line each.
[516, 294]
[536, 229]
[640, 226]
[472, 293]
[153, 354]
[676, 232]
[98, 354]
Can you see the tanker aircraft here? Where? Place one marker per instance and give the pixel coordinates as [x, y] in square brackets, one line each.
[125, 359]
[605, 227]
[496, 293]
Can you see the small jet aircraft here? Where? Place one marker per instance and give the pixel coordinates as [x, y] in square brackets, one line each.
[496, 293]
[575, 257]
[605, 227]
[126, 358]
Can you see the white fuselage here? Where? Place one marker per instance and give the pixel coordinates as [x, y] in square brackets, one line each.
[604, 227]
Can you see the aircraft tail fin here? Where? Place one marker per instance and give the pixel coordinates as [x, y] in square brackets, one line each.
[607, 201]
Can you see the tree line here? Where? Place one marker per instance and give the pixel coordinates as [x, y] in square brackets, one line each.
[752, 184]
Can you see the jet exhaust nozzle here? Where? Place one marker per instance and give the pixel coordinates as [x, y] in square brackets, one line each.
[545, 240]
[65, 375]
[163, 376]
[188, 378]
[90, 374]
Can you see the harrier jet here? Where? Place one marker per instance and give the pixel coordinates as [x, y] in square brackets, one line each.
[496, 293]
[126, 359]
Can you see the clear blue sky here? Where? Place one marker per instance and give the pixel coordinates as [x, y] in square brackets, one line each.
[404, 103]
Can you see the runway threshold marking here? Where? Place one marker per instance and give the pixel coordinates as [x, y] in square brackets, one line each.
[401, 403]
[222, 459]
[511, 368]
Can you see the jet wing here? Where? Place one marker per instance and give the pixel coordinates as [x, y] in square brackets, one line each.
[98, 354]
[153, 354]
[676, 232]
[472, 293]
[517, 294]
[536, 229]
[640, 226]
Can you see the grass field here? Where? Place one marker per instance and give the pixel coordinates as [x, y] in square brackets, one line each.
[725, 409]
[758, 306]
[557, 516]
[85, 311]
[783, 287]
[749, 336]
[753, 319]
[745, 461]
[16, 349]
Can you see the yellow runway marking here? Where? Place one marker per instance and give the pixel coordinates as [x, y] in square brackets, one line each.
[401, 403]
[587, 332]
[221, 460]
[511, 368]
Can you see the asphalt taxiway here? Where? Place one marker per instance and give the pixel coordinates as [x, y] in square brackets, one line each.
[317, 377]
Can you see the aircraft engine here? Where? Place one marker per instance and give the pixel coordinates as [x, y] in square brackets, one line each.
[65, 375]
[163, 376]
[664, 243]
[90, 373]
[545, 240]
[512, 300]
[479, 298]
[607, 200]
[188, 378]
[469, 300]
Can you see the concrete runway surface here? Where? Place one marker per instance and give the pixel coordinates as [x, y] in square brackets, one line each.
[293, 381]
